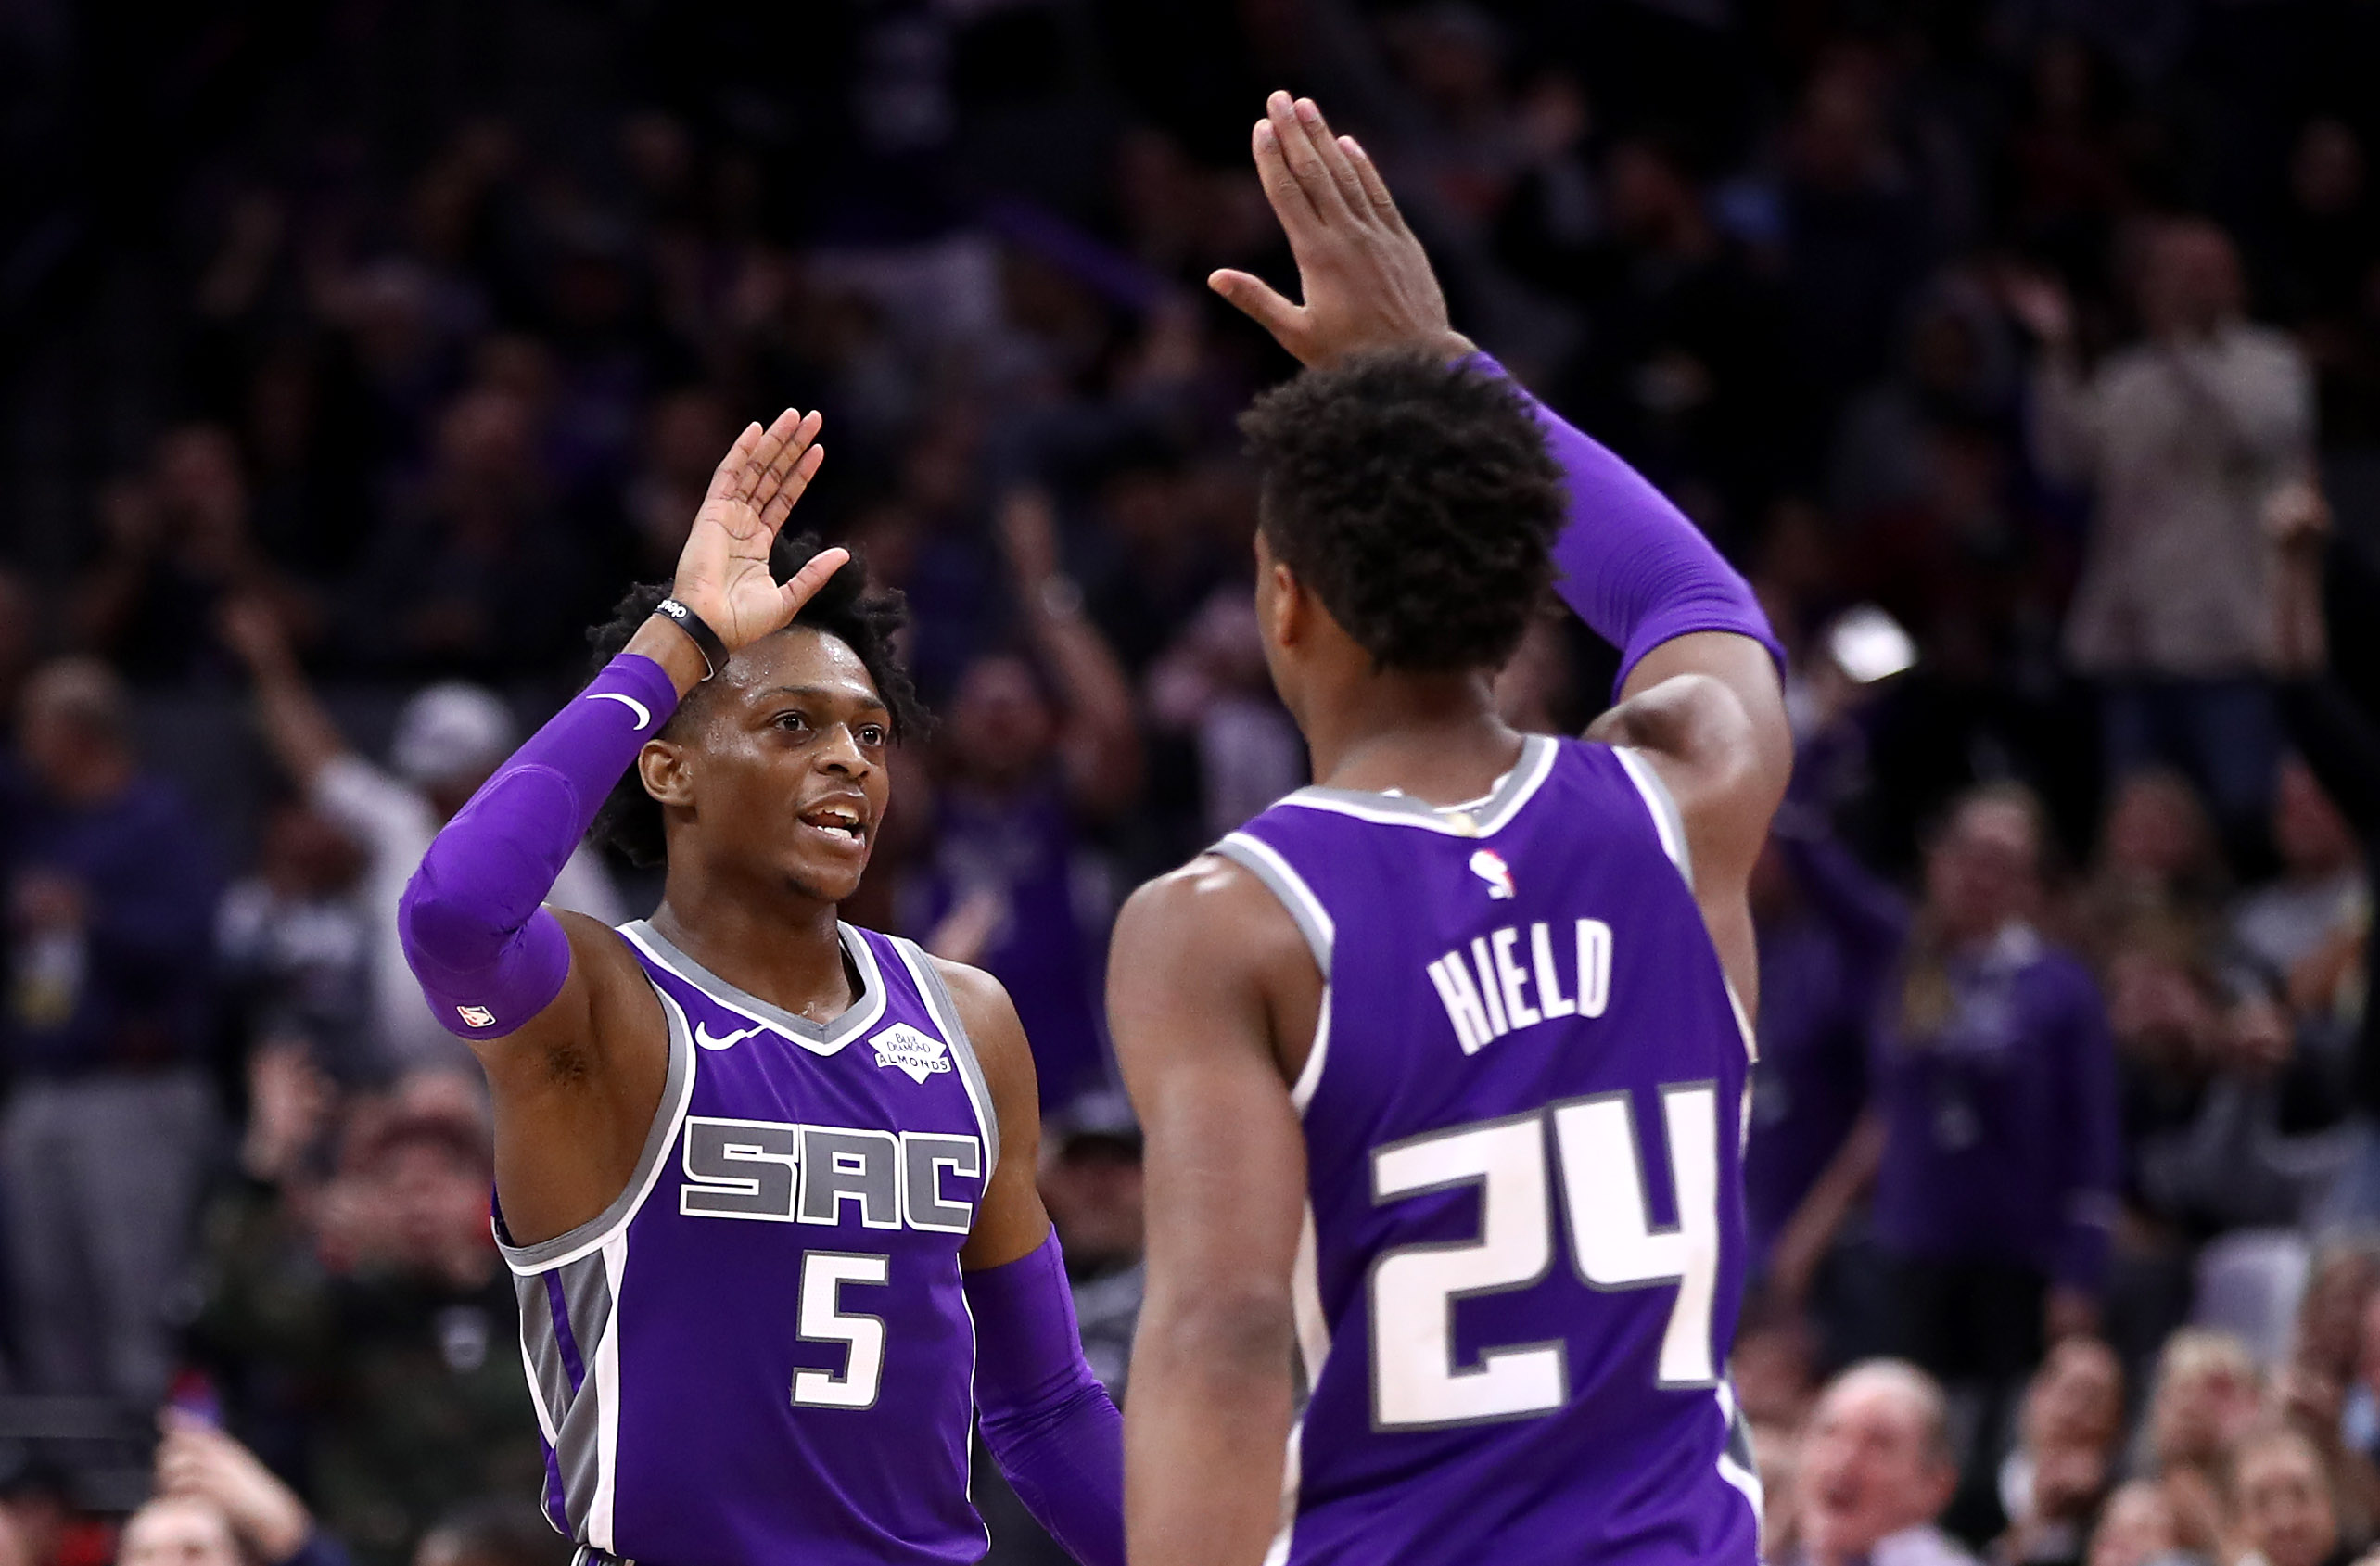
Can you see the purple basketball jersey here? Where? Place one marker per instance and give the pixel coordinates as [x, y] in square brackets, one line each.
[1524, 1237]
[760, 1351]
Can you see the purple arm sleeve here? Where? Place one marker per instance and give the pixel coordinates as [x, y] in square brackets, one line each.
[1052, 1428]
[1632, 567]
[488, 954]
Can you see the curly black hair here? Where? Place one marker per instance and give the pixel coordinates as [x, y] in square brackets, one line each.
[1416, 500]
[844, 608]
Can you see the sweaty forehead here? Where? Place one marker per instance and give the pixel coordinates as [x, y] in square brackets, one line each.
[800, 658]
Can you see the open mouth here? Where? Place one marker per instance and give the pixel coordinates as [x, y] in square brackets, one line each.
[840, 822]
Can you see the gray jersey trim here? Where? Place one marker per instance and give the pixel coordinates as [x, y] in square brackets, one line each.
[577, 1415]
[1669, 824]
[1264, 862]
[820, 1038]
[1480, 817]
[677, 1090]
[936, 996]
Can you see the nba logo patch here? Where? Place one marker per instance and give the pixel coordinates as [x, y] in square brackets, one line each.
[904, 1048]
[1489, 866]
[475, 1016]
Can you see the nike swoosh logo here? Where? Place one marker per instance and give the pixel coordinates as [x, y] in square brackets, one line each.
[644, 713]
[709, 1040]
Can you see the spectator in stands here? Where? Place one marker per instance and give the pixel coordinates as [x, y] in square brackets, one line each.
[2289, 1511]
[295, 944]
[2208, 1393]
[1993, 1139]
[2320, 890]
[2183, 440]
[1875, 1471]
[449, 738]
[178, 543]
[111, 895]
[179, 1530]
[200, 1468]
[1027, 763]
[1090, 1182]
[2052, 1482]
[2137, 1527]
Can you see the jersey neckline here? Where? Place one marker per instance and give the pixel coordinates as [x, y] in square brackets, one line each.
[818, 1039]
[1483, 816]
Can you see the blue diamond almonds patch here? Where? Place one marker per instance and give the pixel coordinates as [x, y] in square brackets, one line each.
[905, 1048]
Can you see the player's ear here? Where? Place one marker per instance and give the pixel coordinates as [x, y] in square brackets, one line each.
[1293, 609]
[663, 769]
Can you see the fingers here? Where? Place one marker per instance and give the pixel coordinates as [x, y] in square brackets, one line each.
[767, 452]
[729, 472]
[796, 484]
[1282, 188]
[789, 473]
[1303, 161]
[810, 578]
[1383, 205]
[1336, 167]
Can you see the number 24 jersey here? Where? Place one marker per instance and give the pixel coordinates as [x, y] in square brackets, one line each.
[1524, 1240]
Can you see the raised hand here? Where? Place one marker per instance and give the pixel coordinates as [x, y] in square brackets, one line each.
[1366, 280]
[723, 572]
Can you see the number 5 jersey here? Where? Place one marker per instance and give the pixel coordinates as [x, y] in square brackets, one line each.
[760, 1353]
[1524, 1240]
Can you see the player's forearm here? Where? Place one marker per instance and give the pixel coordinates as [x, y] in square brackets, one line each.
[487, 953]
[1632, 565]
[1206, 1433]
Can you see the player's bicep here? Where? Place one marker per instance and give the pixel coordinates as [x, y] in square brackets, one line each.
[1224, 1155]
[1709, 712]
[1011, 1221]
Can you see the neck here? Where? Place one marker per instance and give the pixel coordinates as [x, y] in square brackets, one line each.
[1433, 736]
[782, 947]
[95, 782]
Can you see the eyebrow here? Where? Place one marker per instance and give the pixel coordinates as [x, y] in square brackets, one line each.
[829, 692]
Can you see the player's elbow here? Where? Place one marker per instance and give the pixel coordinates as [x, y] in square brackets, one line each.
[1225, 1332]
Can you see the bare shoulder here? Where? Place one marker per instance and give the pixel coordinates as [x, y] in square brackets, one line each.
[1211, 916]
[1001, 1048]
[1206, 955]
[985, 1009]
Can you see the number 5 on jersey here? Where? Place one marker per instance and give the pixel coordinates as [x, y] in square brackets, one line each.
[1613, 1245]
[823, 1321]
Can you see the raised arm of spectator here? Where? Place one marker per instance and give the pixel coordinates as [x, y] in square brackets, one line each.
[1098, 736]
[1700, 687]
[2062, 422]
[197, 1461]
[302, 737]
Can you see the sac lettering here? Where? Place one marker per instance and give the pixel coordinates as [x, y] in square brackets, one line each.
[1522, 975]
[775, 1172]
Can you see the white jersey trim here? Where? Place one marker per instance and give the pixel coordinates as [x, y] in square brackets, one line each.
[605, 1372]
[1309, 1077]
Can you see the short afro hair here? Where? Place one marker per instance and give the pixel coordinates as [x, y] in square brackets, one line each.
[1416, 500]
[844, 608]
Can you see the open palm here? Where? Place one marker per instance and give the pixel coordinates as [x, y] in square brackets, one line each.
[723, 571]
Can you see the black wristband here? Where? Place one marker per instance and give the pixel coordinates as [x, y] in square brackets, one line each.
[707, 641]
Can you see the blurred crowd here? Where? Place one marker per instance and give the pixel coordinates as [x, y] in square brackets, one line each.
[2025, 354]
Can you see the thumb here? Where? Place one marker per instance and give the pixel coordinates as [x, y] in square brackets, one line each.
[810, 578]
[1255, 298]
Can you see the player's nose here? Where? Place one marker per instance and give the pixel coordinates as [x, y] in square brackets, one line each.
[840, 753]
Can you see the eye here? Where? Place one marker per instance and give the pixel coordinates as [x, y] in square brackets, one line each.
[791, 720]
[871, 735]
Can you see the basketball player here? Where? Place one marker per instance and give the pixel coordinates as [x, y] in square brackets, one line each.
[765, 1180]
[1438, 1062]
